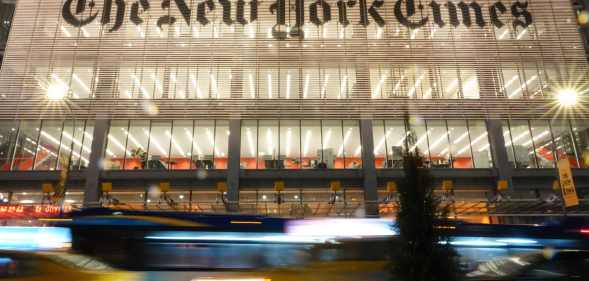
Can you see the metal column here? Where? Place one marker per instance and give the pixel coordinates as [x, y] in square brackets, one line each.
[498, 151]
[92, 189]
[369, 169]
[234, 165]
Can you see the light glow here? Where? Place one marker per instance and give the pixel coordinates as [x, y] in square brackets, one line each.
[567, 97]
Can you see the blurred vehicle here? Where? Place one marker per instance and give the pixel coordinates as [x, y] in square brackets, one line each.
[549, 265]
[27, 266]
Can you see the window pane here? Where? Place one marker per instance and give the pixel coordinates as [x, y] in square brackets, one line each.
[221, 144]
[351, 147]
[563, 141]
[180, 152]
[137, 142]
[249, 140]
[8, 130]
[419, 138]
[460, 144]
[332, 140]
[439, 149]
[479, 141]
[470, 83]
[522, 144]
[380, 144]
[87, 144]
[49, 142]
[204, 145]
[71, 141]
[268, 145]
[508, 144]
[396, 142]
[311, 139]
[159, 145]
[581, 135]
[290, 144]
[543, 146]
[115, 148]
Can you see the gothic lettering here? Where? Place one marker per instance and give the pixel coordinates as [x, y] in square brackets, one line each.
[518, 10]
[135, 11]
[497, 7]
[119, 17]
[226, 11]
[201, 14]
[342, 7]
[410, 11]
[70, 18]
[241, 11]
[313, 11]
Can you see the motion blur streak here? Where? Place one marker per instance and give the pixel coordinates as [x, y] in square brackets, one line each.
[235, 279]
[341, 228]
[231, 236]
[34, 238]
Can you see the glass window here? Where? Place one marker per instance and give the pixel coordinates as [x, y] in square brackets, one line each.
[439, 149]
[137, 136]
[48, 148]
[351, 149]
[72, 149]
[332, 140]
[460, 144]
[159, 145]
[116, 145]
[268, 145]
[450, 83]
[563, 142]
[521, 141]
[204, 134]
[396, 142]
[26, 145]
[290, 143]
[311, 140]
[380, 143]
[479, 141]
[8, 132]
[543, 145]
[249, 144]
[86, 144]
[581, 136]
[470, 83]
[221, 144]
[418, 139]
[181, 149]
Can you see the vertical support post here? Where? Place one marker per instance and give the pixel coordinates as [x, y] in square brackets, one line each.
[369, 169]
[92, 189]
[498, 151]
[234, 165]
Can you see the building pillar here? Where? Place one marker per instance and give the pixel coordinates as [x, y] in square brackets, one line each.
[498, 151]
[92, 189]
[233, 166]
[369, 169]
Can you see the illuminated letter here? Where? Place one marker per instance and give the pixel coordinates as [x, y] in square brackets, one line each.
[67, 15]
[466, 14]
[404, 19]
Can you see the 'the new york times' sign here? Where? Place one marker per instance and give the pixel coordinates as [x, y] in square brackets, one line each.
[407, 12]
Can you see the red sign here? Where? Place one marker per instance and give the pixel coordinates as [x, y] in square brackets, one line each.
[32, 211]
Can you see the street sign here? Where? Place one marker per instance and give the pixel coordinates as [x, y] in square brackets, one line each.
[567, 184]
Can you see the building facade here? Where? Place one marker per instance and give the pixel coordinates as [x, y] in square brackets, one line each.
[225, 101]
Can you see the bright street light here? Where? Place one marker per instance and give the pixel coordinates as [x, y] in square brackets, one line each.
[56, 92]
[567, 97]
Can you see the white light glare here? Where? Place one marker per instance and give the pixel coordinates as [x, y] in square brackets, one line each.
[567, 97]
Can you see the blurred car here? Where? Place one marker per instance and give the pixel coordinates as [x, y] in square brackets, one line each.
[547, 265]
[28, 266]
